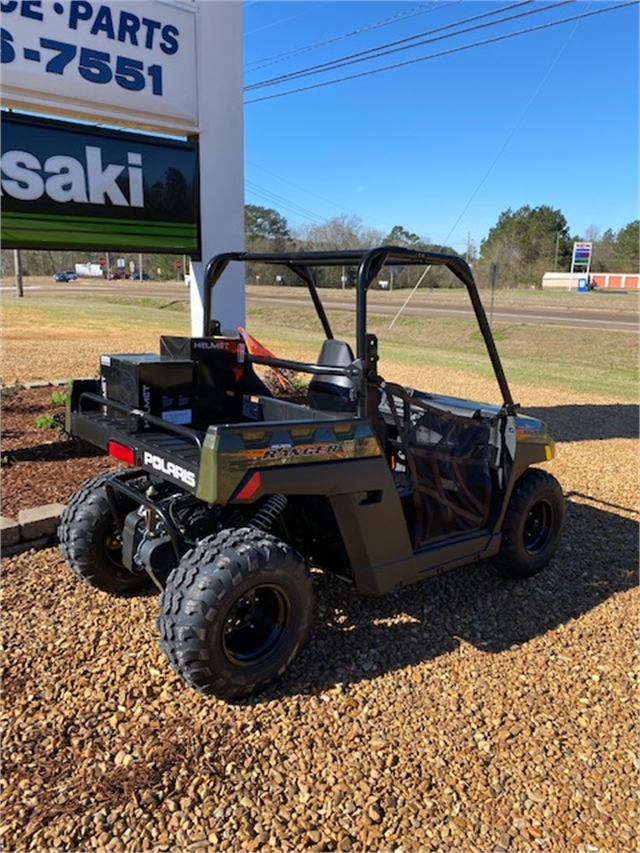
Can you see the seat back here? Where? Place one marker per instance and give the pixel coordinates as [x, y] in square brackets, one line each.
[333, 393]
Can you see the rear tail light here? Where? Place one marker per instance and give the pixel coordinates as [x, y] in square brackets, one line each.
[122, 452]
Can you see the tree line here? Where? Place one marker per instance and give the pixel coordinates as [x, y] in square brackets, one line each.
[524, 244]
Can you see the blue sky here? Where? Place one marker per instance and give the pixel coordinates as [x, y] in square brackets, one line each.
[442, 147]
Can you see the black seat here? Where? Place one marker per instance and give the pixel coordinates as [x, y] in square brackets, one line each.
[333, 393]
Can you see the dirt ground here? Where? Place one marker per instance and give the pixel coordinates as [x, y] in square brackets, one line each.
[41, 464]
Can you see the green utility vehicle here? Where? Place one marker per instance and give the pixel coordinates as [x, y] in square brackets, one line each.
[230, 492]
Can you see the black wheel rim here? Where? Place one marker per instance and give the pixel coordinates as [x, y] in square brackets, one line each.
[255, 625]
[538, 527]
[113, 546]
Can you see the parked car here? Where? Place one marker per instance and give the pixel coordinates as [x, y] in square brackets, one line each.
[137, 276]
[116, 276]
[65, 276]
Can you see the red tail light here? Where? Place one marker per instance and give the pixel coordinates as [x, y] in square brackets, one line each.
[122, 452]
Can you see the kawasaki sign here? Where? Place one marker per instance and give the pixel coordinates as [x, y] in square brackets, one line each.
[66, 186]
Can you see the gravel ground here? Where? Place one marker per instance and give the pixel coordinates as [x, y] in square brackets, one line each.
[465, 714]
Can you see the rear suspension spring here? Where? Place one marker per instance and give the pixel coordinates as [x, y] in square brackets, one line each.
[269, 512]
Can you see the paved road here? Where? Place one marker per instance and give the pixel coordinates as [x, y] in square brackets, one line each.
[611, 320]
[613, 312]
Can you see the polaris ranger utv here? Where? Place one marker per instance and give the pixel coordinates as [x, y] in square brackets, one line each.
[232, 493]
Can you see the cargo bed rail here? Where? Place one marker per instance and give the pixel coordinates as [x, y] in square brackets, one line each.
[132, 414]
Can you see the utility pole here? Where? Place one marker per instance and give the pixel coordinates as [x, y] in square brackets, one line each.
[493, 279]
[17, 263]
[555, 265]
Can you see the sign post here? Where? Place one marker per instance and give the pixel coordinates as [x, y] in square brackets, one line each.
[221, 141]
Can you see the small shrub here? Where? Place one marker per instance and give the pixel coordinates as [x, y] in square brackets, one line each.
[45, 421]
[58, 398]
[50, 422]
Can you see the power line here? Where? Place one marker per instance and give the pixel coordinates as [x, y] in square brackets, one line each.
[494, 162]
[257, 64]
[448, 52]
[261, 192]
[391, 47]
[286, 181]
[340, 207]
[282, 20]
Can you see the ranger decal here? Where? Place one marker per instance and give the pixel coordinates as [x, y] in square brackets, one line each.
[289, 451]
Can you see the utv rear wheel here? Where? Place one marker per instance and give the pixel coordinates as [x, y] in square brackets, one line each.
[90, 540]
[533, 524]
[235, 612]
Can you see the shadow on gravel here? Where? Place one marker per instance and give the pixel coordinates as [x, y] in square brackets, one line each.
[589, 422]
[358, 639]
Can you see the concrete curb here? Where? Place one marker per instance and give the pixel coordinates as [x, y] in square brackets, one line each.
[35, 528]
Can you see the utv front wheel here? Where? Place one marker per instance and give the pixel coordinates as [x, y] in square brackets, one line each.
[90, 540]
[235, 612]
[532, 525]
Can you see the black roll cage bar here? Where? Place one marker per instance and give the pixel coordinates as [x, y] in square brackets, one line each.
[369, 262]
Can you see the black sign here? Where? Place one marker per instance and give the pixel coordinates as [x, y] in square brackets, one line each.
[69, 186]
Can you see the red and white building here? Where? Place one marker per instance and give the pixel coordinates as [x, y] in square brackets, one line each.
[601, 280]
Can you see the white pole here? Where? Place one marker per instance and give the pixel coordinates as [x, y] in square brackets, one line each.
[221, 139]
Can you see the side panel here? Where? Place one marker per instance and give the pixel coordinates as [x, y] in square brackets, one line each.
[427, 563]
[372, 524]
[365, 503]
[231, 452]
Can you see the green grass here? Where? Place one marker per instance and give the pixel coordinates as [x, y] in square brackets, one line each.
[96, 314]
[584, 361]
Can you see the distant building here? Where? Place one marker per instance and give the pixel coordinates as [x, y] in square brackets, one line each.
[600, 280]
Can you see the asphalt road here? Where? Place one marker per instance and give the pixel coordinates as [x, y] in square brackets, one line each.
[611, 320]
[610, 311]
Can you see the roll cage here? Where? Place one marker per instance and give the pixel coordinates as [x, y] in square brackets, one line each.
[369, 263]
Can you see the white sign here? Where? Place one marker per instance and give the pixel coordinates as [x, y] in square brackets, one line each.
[131, 63]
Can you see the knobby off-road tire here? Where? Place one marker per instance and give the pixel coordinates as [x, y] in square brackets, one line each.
[235, 612]
[532, 525]
[90, 540]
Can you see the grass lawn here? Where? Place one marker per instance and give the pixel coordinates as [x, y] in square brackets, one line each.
[52, 336]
